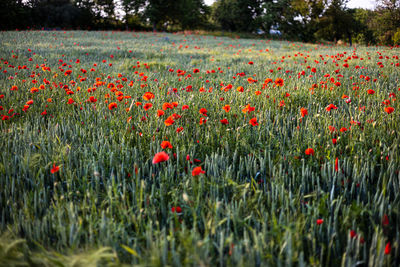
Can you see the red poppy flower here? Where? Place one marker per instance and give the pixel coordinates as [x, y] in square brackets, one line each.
[330, 106]
[267, 81]
[70, 101]
[55, 168]
[389, 110]
[166, 144]
[203, 112]
[331, 128]
[112, 105]
[388, 248]
[279, 82]
[227, 108]
[169, 121]
[166, 106]
[148, 95]
[92, 99]
[251, 80]
[147, 106]
[176, 209]
[320, 221]
[253, 122]
[304, 112]
[248, 109]
[160, 157]
[336, 164]
[353, 233]
[224, 121]
[197, 171]
[202, 121]
[371, 92]
[160, 113]
[309, 151]
[185, 107]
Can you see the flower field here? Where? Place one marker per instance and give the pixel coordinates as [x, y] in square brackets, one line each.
[170, 149]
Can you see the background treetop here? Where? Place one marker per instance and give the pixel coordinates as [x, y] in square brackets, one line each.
[305, 20]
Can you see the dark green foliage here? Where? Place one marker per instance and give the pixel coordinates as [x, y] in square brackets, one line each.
[14, 15]
[237, 15]
[308, 12]
[386, 21]
[180, 14]
[336, 22]
[362, 19]
[192, 14]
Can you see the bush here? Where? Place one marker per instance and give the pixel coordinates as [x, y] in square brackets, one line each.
[396, 37]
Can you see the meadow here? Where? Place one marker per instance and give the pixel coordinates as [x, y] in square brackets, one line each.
[154, 149]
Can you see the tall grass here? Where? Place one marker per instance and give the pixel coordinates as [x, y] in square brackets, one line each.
[261, 201]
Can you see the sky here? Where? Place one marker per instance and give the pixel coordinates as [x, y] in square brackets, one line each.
[369, 4]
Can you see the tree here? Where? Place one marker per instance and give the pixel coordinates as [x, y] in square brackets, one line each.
[157, 11]
[237, 15]
[86, 18]
[336, 22]
[362, 19]
[105, 7]
[386, 22]
[104, 11]
[192, 13]
[131, 9]
[13, 15]
[181, 14]
[53, 13]
[307, 14]
[271, 14]
[279, 14]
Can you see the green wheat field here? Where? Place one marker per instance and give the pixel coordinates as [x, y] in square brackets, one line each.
[159, 149]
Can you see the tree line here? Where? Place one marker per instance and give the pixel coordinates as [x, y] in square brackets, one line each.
[305, 20]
